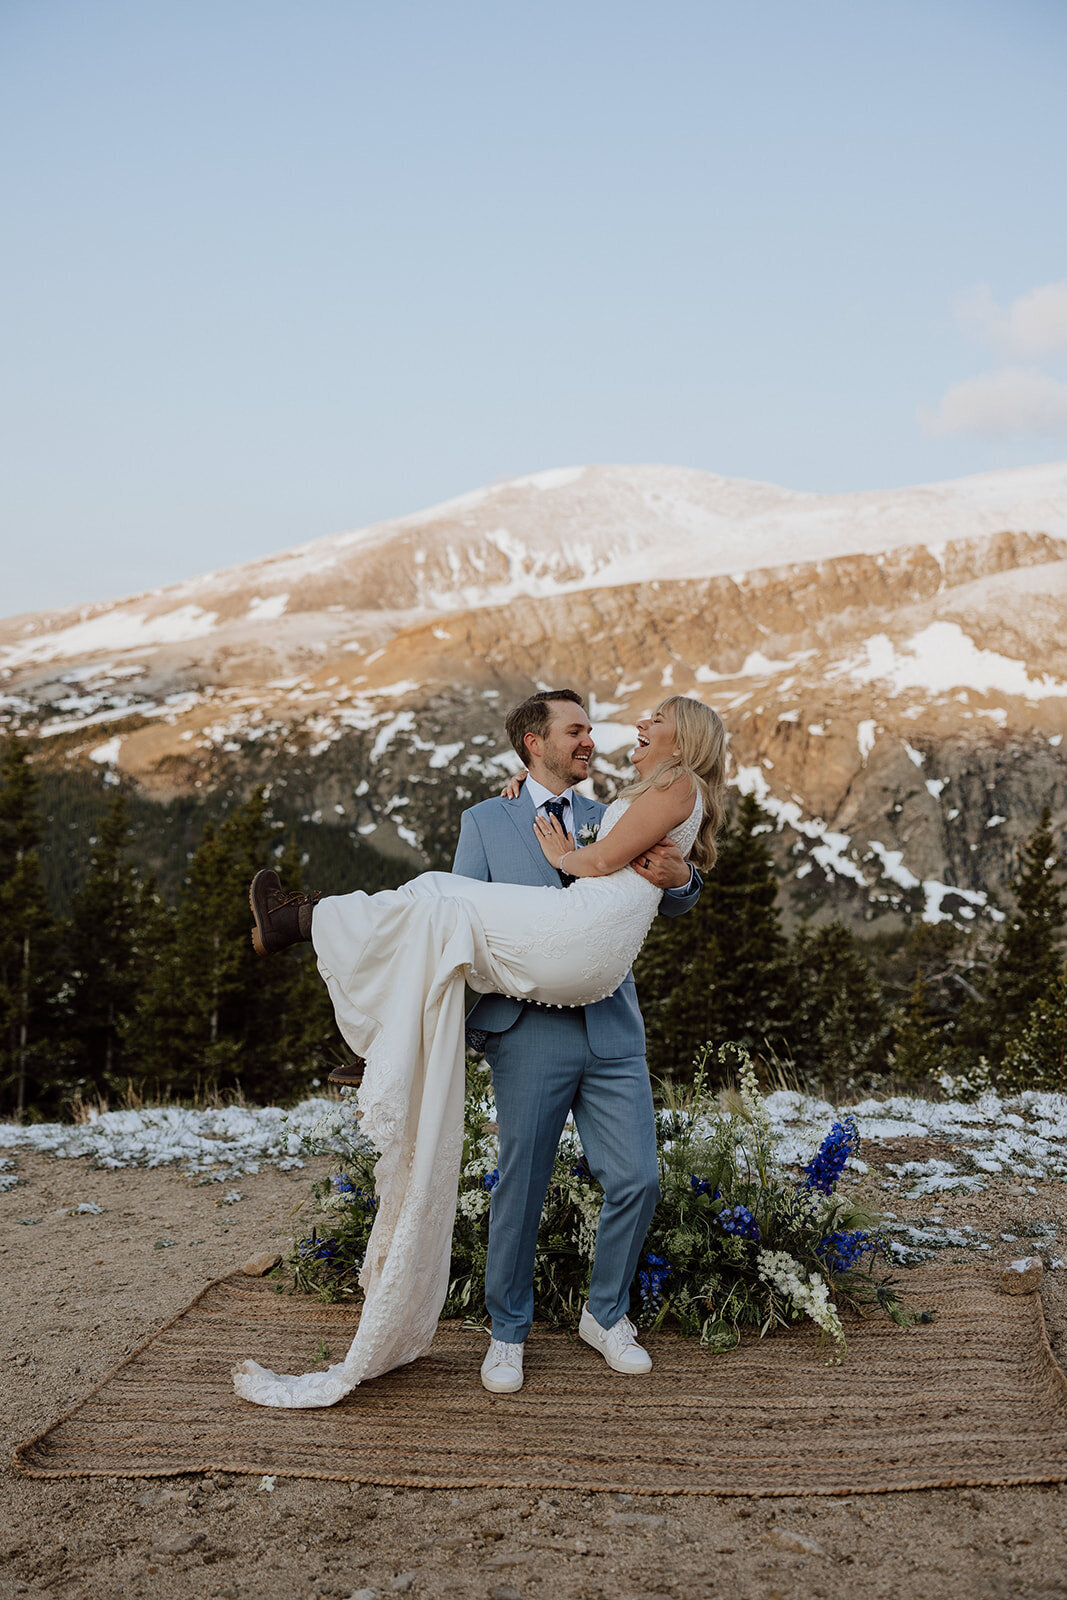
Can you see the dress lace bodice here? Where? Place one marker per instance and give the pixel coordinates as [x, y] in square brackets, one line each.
[684, 835]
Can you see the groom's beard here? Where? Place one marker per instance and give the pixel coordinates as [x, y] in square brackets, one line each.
[567, 771]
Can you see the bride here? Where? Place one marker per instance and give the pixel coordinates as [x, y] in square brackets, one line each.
[395, 964]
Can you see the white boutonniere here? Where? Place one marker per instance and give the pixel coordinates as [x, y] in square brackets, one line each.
[588, 833]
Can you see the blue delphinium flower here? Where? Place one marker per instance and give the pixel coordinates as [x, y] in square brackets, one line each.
[825, 1168]
[702, 1186]
[739, 1221]
[344, 1185]
[841, 1250]
[652, 1277]
[318, 1249]
[492, 1178]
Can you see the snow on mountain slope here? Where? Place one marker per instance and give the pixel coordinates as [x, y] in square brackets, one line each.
[550, 534]
[891, 667]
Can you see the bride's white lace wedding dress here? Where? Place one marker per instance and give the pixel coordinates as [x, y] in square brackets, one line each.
[395, 965]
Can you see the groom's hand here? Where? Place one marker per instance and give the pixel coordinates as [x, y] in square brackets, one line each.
[666, 867]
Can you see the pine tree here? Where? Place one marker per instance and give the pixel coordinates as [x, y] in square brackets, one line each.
[31, 1070]
[1028, 960]
[719, 973]
[1037, 1057]
[101, 943]
[214, 1014]
[917, 1054]
[154, 1017]
[838, 1029]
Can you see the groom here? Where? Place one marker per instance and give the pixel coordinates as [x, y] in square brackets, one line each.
[548, 1061]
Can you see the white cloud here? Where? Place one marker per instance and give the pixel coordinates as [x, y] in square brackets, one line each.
[996, 404]
[1032, 326]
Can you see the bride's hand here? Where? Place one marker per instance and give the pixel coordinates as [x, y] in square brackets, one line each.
[513, 787]
[552, 839]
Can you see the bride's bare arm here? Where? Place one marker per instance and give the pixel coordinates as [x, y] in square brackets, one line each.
[644, 823]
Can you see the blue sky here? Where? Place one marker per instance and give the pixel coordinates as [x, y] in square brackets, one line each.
[272, 271]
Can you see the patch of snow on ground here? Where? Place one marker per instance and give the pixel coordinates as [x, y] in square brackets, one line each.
[107, 754]
[1025, 1136]
[114, 630]
[267, 608]
[403, 722]
[893, 866]
[936, 892]
[611, 737]
[865, 738]
[830, 853]
[942, 657]
[223, 1142]
[445, 754]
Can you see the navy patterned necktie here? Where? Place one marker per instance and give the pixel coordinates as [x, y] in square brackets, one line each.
[557, 808]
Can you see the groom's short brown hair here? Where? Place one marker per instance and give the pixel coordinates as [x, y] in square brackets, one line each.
[533, 716]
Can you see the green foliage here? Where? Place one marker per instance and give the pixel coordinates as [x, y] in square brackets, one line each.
[719, 973]
[838, 1029]
[1037, 1057]
[917, 1052]
[101, 947]
[1029, 959]
[210, 1012]
[30, 966]
[164, 834]
[736, 1241]
[130, 994]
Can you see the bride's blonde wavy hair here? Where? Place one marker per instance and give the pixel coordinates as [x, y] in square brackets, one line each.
[700, 750]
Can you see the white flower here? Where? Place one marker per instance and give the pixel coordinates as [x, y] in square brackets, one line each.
[587, 1202]
[587, 833]
[751, 1098]
[473, 1203]
[482, 1165]
[808, 1294]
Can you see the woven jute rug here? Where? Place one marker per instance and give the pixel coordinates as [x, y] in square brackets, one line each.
[976, 1397]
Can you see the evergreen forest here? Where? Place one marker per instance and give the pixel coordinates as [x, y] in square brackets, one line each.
[127, 973]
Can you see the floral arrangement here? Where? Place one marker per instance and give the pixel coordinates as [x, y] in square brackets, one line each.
[587, 833]
[737, 1240]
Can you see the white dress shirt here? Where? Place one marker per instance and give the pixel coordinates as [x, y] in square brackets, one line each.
[539, 794]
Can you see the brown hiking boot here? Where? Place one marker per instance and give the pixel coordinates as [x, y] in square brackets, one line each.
[349, 1077]
[280, 919]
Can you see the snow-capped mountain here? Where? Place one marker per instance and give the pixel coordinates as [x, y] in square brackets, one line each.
[892, 666]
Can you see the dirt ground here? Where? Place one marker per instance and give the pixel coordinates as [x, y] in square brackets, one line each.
[77, 1292]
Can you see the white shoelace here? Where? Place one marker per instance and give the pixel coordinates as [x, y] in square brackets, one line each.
[622, 1335]
[503, 1354]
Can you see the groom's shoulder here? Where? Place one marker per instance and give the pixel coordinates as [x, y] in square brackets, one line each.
[485, 810]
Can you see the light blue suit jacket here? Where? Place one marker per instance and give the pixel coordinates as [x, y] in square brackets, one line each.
[497, 845]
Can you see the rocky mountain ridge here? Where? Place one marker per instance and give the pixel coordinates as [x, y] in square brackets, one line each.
[892, 668]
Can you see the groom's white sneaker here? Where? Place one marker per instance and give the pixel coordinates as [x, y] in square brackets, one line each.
[618, 1345]
[502, 1367]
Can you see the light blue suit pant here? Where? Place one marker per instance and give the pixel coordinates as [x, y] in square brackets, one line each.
[542, 1069]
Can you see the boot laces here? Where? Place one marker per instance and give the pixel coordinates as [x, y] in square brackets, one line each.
[299, 897]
